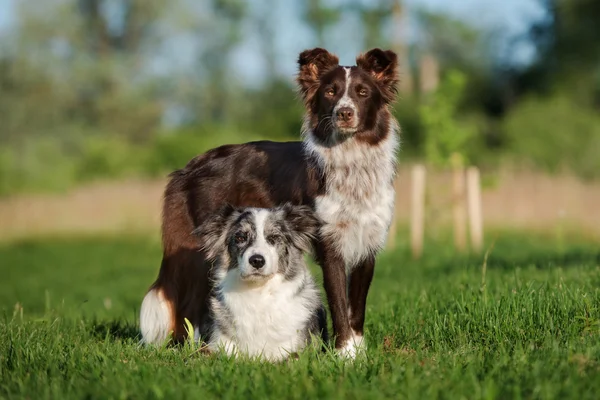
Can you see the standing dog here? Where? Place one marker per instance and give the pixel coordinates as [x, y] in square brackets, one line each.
[343, 169]
[265, 302]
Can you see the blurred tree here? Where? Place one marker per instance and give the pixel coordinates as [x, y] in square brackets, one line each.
[400, 44]
[86, 86]
[568, 52]
[375, 17]
[219, 33]
[118, 25]
[266, 32]
[319, 17]
[284, 118]
[446, 137]
[555, 134]
[93, 62]
[574, 42]
[454, 43]
[550, 119]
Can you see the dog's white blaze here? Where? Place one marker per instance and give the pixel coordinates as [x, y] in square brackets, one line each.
[346, 100]
[358, 203]
[155, 318]
[267, 318]
[260, 247]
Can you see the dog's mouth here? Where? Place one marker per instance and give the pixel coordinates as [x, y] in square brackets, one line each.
[346, 127]
[346, 130]
[255, 277]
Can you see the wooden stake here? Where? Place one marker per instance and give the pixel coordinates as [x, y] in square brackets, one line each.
[429, 73]
[417, 216]
[458, 205]
[475, 209]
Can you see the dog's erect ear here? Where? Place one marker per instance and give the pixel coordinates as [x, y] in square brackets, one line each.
[312, 65]
[213, 231]
[383, 67]
[304, 224]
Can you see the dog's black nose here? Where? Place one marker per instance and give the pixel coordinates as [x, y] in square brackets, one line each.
[345, 114]
[257, 261]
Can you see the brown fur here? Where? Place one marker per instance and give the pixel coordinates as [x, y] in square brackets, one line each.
[200, 189]
[266, 174]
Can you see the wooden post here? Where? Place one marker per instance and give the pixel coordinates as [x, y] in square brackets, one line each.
[475, 209]
[417, 215]
[393, 232]
[429, 74]
[458, 203]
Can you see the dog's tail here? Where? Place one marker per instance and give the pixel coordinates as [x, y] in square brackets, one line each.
[156, 318]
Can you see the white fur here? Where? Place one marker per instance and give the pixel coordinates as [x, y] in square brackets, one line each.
[155, 318]
[346, 100]
[259, 247]
[358, 203]
[268, 317]
[353, 347]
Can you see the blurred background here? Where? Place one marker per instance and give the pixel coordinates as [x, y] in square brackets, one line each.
[101, 99]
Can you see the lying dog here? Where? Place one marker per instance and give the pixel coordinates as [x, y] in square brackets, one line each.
[265, 302]
[343, 169]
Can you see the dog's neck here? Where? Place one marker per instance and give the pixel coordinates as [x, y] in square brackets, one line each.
[348, 155]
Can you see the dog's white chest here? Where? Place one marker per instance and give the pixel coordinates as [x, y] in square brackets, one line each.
[357, 211]
[358, 204]
[268, 321]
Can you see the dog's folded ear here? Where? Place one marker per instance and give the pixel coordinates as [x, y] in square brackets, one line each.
[212, 233]
[383, 67]
[312, 65]
[303, 224]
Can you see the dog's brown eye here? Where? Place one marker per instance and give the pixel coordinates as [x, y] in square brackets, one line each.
[363, 92]
[330, 92]
[241, 237]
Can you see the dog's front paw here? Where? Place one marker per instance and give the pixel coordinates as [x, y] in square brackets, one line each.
[353, 346]
[221, 343]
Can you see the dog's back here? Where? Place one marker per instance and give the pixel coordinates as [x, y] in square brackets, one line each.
[265, 301]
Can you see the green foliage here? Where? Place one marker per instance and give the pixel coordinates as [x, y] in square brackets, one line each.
[47, 164]
[455, 44]
[170, 151]
[408, 112]
[436, 328]
[85, 95]
[319, 16]
[109, 158]
[35, 165]
[444, 134]
[557, 134]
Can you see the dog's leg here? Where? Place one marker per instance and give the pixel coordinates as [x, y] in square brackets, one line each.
[360, 281]
[221, 342]
[334, 279]
[193, 288]
[184, 273]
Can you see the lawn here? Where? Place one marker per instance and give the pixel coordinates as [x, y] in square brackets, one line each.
[524, 325]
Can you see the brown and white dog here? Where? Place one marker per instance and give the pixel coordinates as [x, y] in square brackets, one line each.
[343, 169]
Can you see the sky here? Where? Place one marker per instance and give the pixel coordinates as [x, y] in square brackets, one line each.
[507, 18]
[7, 11]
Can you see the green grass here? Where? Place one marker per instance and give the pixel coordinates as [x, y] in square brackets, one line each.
[529, 327]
